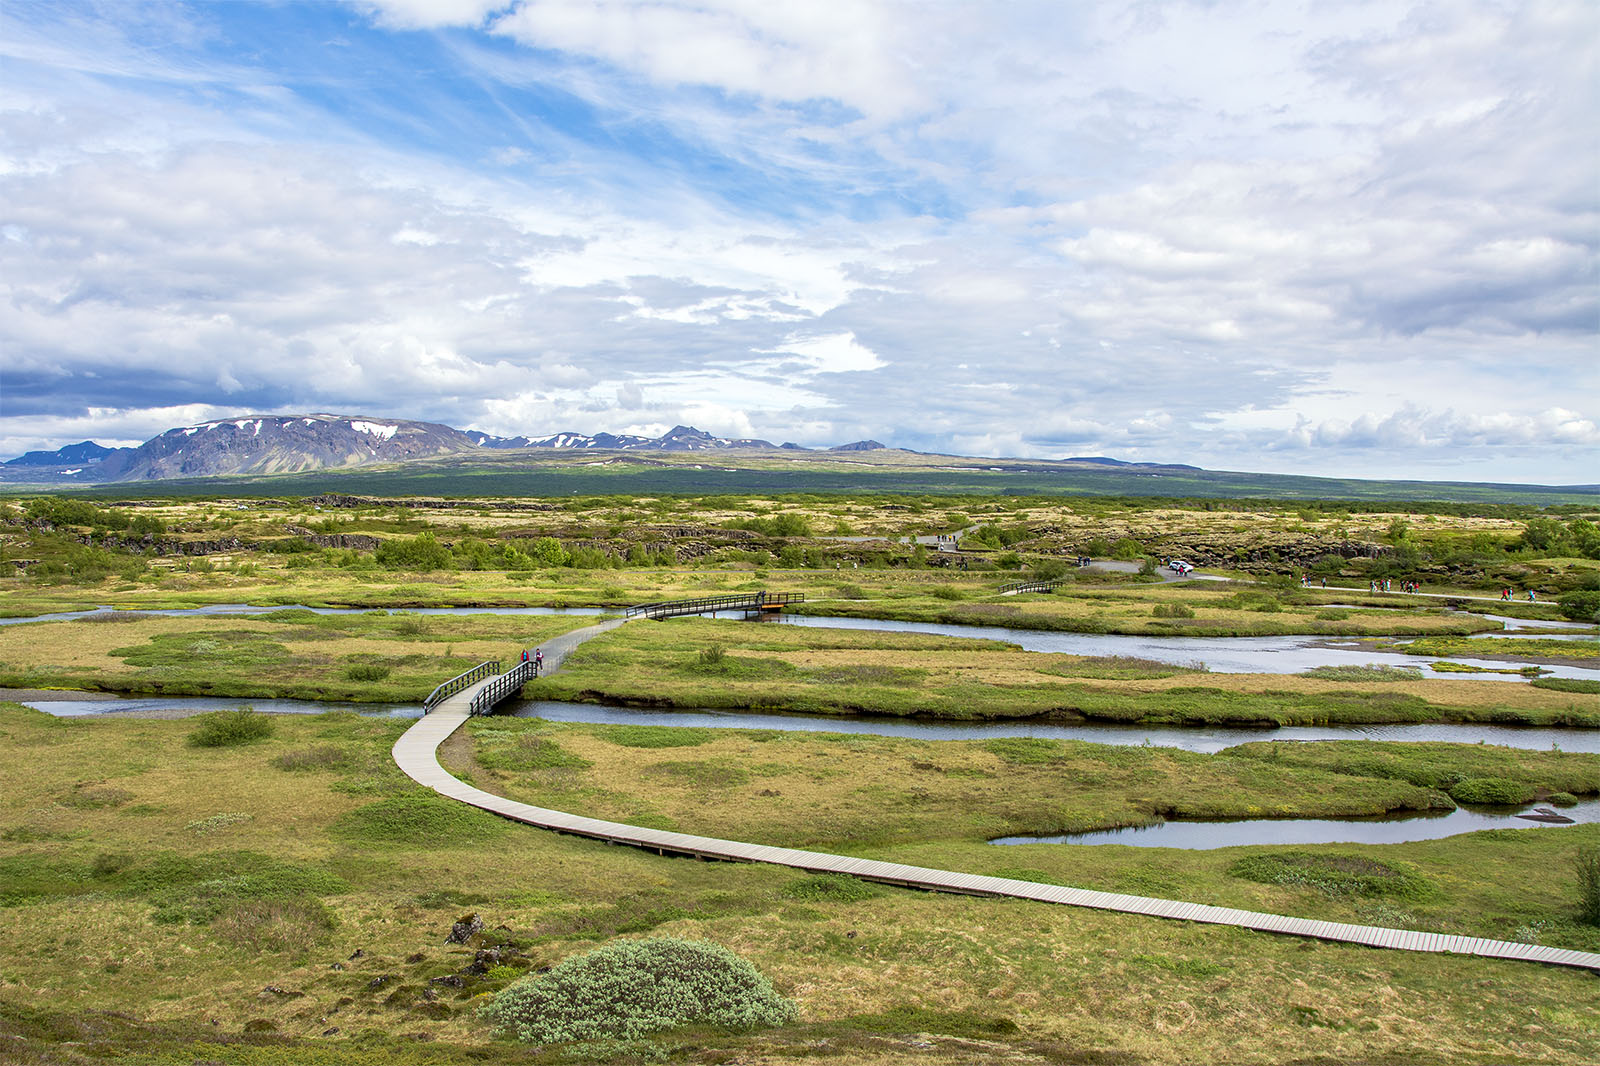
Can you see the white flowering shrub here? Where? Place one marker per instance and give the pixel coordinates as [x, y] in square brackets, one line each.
[631, 988]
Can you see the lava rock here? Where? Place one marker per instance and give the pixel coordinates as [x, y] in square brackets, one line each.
[464, 930]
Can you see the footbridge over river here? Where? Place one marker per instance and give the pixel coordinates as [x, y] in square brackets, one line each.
[749, 602]
[416, 753]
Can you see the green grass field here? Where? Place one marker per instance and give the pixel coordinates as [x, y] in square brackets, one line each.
[297, 892]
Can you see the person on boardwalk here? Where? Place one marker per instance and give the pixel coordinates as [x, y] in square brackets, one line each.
[538, 661]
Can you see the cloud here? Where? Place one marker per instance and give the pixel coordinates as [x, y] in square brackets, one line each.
[1352, 237]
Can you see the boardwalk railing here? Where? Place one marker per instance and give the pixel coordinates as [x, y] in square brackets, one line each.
[461, 681]
[1031, 586]
[744, 601]
[505, 685]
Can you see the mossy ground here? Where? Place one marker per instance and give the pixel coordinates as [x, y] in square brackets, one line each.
[151, 916]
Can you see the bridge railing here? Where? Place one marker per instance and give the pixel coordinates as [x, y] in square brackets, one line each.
[711, 604]
[1032, 586]
[461, 681]
[500, 688]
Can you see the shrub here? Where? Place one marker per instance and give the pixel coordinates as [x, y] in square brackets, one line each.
[1171, 610]
[712, 656]
[946, 592]
[632, 988]
[366, 672]
[1581, 606]
[226, 729]
[1490, 790]
[422, 552]
[1563, 799]
[1588, 863]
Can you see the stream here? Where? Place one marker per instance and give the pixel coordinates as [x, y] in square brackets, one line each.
[1223, 655]
[1384, 829]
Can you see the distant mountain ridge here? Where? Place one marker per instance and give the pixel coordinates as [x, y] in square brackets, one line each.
[286, 444]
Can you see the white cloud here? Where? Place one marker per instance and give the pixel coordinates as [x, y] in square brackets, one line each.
[835, 353]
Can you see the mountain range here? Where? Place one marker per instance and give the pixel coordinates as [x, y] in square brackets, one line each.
[287, 444]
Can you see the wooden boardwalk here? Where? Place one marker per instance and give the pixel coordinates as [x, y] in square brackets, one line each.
[416, 754]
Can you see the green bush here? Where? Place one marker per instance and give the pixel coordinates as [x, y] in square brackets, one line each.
[632, 988]
[366, 672]
[1171, 610]
[712, 656]
[226, 729]
[1490, 790]
[1580, 606]
[1562, 799]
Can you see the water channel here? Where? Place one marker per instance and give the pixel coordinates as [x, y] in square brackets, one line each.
[1288, 654]
[1385, 829]
[1224, 655]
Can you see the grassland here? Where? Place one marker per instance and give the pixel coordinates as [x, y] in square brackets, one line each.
[152, 888]
[291, 654]
[287, 900]
[733, 665]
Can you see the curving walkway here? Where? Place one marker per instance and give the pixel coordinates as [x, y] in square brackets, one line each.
[416, 753]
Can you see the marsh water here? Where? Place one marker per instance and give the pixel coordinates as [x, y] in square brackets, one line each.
[1190, 738]
[1224, 655]
[1385, 829]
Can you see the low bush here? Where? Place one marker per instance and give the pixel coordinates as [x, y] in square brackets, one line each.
[1582, 606]
[1491, 790]
[633, 988]
[1171, 610]
[366, 672]
[226, 729]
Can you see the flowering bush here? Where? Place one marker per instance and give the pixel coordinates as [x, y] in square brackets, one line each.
[631, 988]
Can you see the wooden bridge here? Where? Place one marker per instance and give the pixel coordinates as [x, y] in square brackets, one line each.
[416, 753]
[749, 602]
[1029, 586]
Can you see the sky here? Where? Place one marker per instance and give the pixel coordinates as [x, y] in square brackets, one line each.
[1319, 237]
